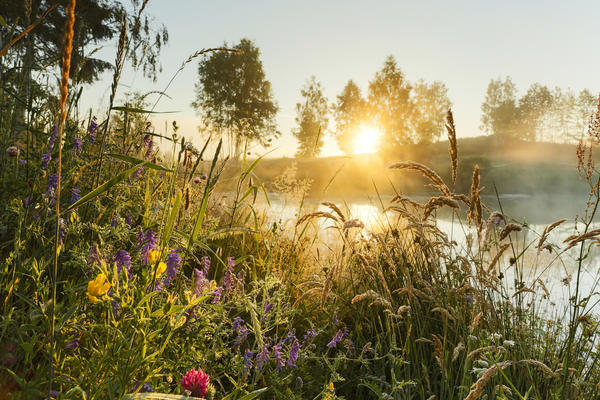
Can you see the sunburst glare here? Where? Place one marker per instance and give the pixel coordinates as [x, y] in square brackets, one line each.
[367, 139]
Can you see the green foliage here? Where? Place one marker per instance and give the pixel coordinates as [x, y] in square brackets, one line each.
[233, 94]
[311, 119]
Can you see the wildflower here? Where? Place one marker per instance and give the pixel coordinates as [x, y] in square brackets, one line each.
[12, 151]
[329, 391]
[73, 344]
[241, 329]
[278, 356]
[367, 349]
[123, 259]
[349, 345]
[241, 277]
[129, 220]
[262, 358]
[149, 241]
[115, 221]
[309, 336]
[248, 360]
[98, 288]
[46, 158]
[228, 278]
[508, 343]
[267, 308]
[62, 229]
[290, 337]
[199, 282]
[23, 162]
[336, 339]
[196, 382]
[75, 195]
[335, 318]
[469, 299]
[54, 394]
[26, 201]
[92, 128]
[293, 356]
[197, 180]
[77, 146]
[217, 295]
[94, 256]
[160, 269]
[139, 172]
[173, 264]
[51, 185]
[53, 137]
[205, 261]
[142, 388]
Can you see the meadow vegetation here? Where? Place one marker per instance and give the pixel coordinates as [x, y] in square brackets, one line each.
[126, 272]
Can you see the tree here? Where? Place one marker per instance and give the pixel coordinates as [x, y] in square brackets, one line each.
[96, 21]
[391, 105]
[499, 110]
[312, 119]
[431, 105]
[534, 106]
[350, 111]
[233, 94]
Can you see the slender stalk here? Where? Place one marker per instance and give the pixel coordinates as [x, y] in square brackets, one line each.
[64, 93]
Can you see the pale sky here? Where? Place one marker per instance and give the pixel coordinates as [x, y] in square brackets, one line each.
[461, 43]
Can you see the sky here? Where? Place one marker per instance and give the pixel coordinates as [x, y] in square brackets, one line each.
[464, 44]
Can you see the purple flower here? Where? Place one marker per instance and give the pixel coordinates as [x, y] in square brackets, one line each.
[349, 345]
[129, 220]
[23, 162]
[469, 299]
[248, 360]
[228, 278]
[145, 388]
[335, 318]
[115, 221]
[92, 129]
[149, 241]
[290, 337]
[336, 339]
[309, 336]
[267, 308]
[262, 358]
[77, 146]
[26, 201]
[139, 172]
[62, 228]
[293, 356]
[278, 356]
[205, 261]
[73, 344]
[173, 264]
[75, 195]
[51, 185]
[241, 277]
[46, 158]
[94, 256]
[53, 137]
[217, 295]
[123, 259]
[199, 282]
[239, 326]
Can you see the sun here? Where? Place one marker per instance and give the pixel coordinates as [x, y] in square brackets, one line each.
[366, 140]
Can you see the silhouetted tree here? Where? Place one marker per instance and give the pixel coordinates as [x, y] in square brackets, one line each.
[350, 111]
[391, 105]
[499, 110]
[311, 119]
[431, 105]
[534, 106]
[233, 95]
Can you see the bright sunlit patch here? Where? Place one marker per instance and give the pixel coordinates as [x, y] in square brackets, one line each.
[367, 139]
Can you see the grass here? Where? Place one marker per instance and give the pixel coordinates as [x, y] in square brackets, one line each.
[142, 272]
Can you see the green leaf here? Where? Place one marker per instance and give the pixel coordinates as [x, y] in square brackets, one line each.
[254, 394]
[134, 160]
[171, 220]
[104, 187]
[3, 23]
[140, 111]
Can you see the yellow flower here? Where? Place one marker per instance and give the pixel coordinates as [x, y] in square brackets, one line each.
[329, 392]
[98, 288]
[160, 269]
[153, 256]
[74, 217]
